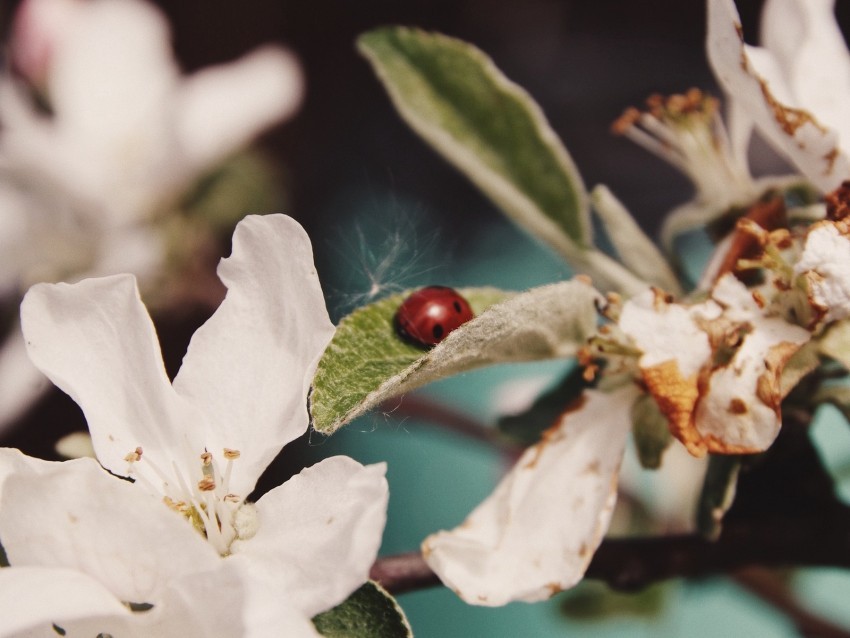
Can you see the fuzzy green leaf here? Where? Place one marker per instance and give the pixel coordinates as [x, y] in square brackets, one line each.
[453, 95]
[595, 601]
[636, 250]
[370, 612]
[367, 363]
[455, 98]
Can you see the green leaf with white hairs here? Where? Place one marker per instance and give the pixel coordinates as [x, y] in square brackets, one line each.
[370, 612]
[453, 95]
[636, 250]
[367, 363]
[489, 128]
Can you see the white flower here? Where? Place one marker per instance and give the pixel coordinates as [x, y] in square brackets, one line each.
[125, 134]
[125, 130]
[796, 89]
[92, 553]
[714, 370]
[714, 367]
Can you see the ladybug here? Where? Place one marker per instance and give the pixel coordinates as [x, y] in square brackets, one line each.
[429, 314]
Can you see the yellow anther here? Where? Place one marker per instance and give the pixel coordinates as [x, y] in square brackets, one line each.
[134, 456]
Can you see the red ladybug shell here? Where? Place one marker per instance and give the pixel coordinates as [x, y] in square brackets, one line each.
[429, 314]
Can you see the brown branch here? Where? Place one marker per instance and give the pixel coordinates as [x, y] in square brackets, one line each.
[633, 563]
[403, 573]
[772, 590]
[449, 420]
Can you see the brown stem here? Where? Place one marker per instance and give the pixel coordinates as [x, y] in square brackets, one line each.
[633, 563]
[403, 573]
[772, 590]
[449, 420]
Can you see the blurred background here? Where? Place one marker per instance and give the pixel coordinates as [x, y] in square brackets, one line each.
[385, 213]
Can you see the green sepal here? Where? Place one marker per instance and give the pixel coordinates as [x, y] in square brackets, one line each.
[596, 601]
[651, 432]
[370, 612]
[718, 494]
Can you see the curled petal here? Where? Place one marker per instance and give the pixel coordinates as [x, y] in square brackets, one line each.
[804, 38]
[223, 108]
[825, 264]
[740, 410]
[675, 349]
[739, 406]
[752, 78]
[667, 331]
[535, 535]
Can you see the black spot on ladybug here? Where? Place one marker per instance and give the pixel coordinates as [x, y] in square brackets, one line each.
[428, 315]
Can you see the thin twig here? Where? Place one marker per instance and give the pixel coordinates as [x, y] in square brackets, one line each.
[403, 572]
[450, 420]
[772, 590]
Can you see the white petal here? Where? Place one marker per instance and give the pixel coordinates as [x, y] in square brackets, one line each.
[111, 86]
[220, 603]
[535, 535]
[738, 411]
[826, 263]
[96, 342]
[319, 534]
[221, 109]
[34, 598]
[667, 331]
[743, 72]
[37, 27]
[73, 514]
[136, 249]
[112, 67]
[21, 383]
[13, 461]
[739, 124]
[250, 366]
[805, 39]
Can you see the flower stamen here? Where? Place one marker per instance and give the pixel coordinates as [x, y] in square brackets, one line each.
[686, 131]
